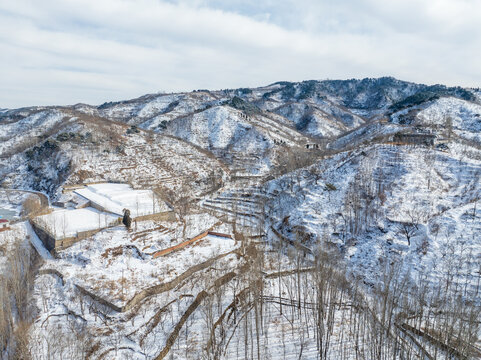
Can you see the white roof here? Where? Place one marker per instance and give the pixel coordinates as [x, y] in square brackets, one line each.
[116, 197]
[67, 223]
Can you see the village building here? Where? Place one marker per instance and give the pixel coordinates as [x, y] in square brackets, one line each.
[63, 228]
[4, 225]
[114, 198]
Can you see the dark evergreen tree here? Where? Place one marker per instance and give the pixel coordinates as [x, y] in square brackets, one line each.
[127, 220]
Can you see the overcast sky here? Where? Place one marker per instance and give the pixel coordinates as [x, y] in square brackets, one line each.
[64, 52]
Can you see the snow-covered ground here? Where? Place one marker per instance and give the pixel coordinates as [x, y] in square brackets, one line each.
[384, 187]
[374, 205]
[20, 132]
[37, 243]
[447, 114]
[115, 265]
[11, 203]
[221, 126]
[102, 261]
[65, 223]
[464, 115]
[116, 269]
[116, 197]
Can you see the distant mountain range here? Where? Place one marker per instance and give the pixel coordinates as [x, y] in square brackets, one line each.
[336, 113]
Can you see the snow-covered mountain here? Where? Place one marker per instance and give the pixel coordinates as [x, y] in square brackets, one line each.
[341, 205]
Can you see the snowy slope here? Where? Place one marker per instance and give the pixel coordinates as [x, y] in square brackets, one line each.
[464, 116]
[87, 148]
[236, 162]
[17, 134]
[384, 186]
[319, 120]
[152, 111]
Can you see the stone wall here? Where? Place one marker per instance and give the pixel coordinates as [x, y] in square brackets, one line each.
[181, 245]
[188, 242]
[163, 216]
[157, 289]
[47, 238]
[52, 244]
[99, 299]
[81, 235]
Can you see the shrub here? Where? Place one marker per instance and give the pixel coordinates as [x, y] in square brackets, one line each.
[31, 205]
[307, 89]
[244, 91]
[244, 106]
[63, 137]
[162, 125]
[330, 187]
[133, 130]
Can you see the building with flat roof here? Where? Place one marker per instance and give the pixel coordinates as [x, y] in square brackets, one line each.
[114, 198]
[65, 227]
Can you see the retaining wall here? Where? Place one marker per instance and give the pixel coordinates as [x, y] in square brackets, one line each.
[157, 289]
[181, 245]
[163, 216]
[188, 242]
[47, 238]
[99, 299]
[52, 244]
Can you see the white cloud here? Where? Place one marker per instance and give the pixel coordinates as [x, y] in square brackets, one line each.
[61, 52]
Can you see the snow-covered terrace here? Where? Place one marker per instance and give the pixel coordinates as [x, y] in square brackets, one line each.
[118, 267]
[116, 197]
[68, 223]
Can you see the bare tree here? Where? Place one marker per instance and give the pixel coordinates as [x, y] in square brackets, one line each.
[408, 229]
[31, 205]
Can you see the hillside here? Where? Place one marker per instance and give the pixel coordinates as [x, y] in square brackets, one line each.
[48, 148]
[320, 219]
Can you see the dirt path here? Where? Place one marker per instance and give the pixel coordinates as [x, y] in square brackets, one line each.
[44, 199]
